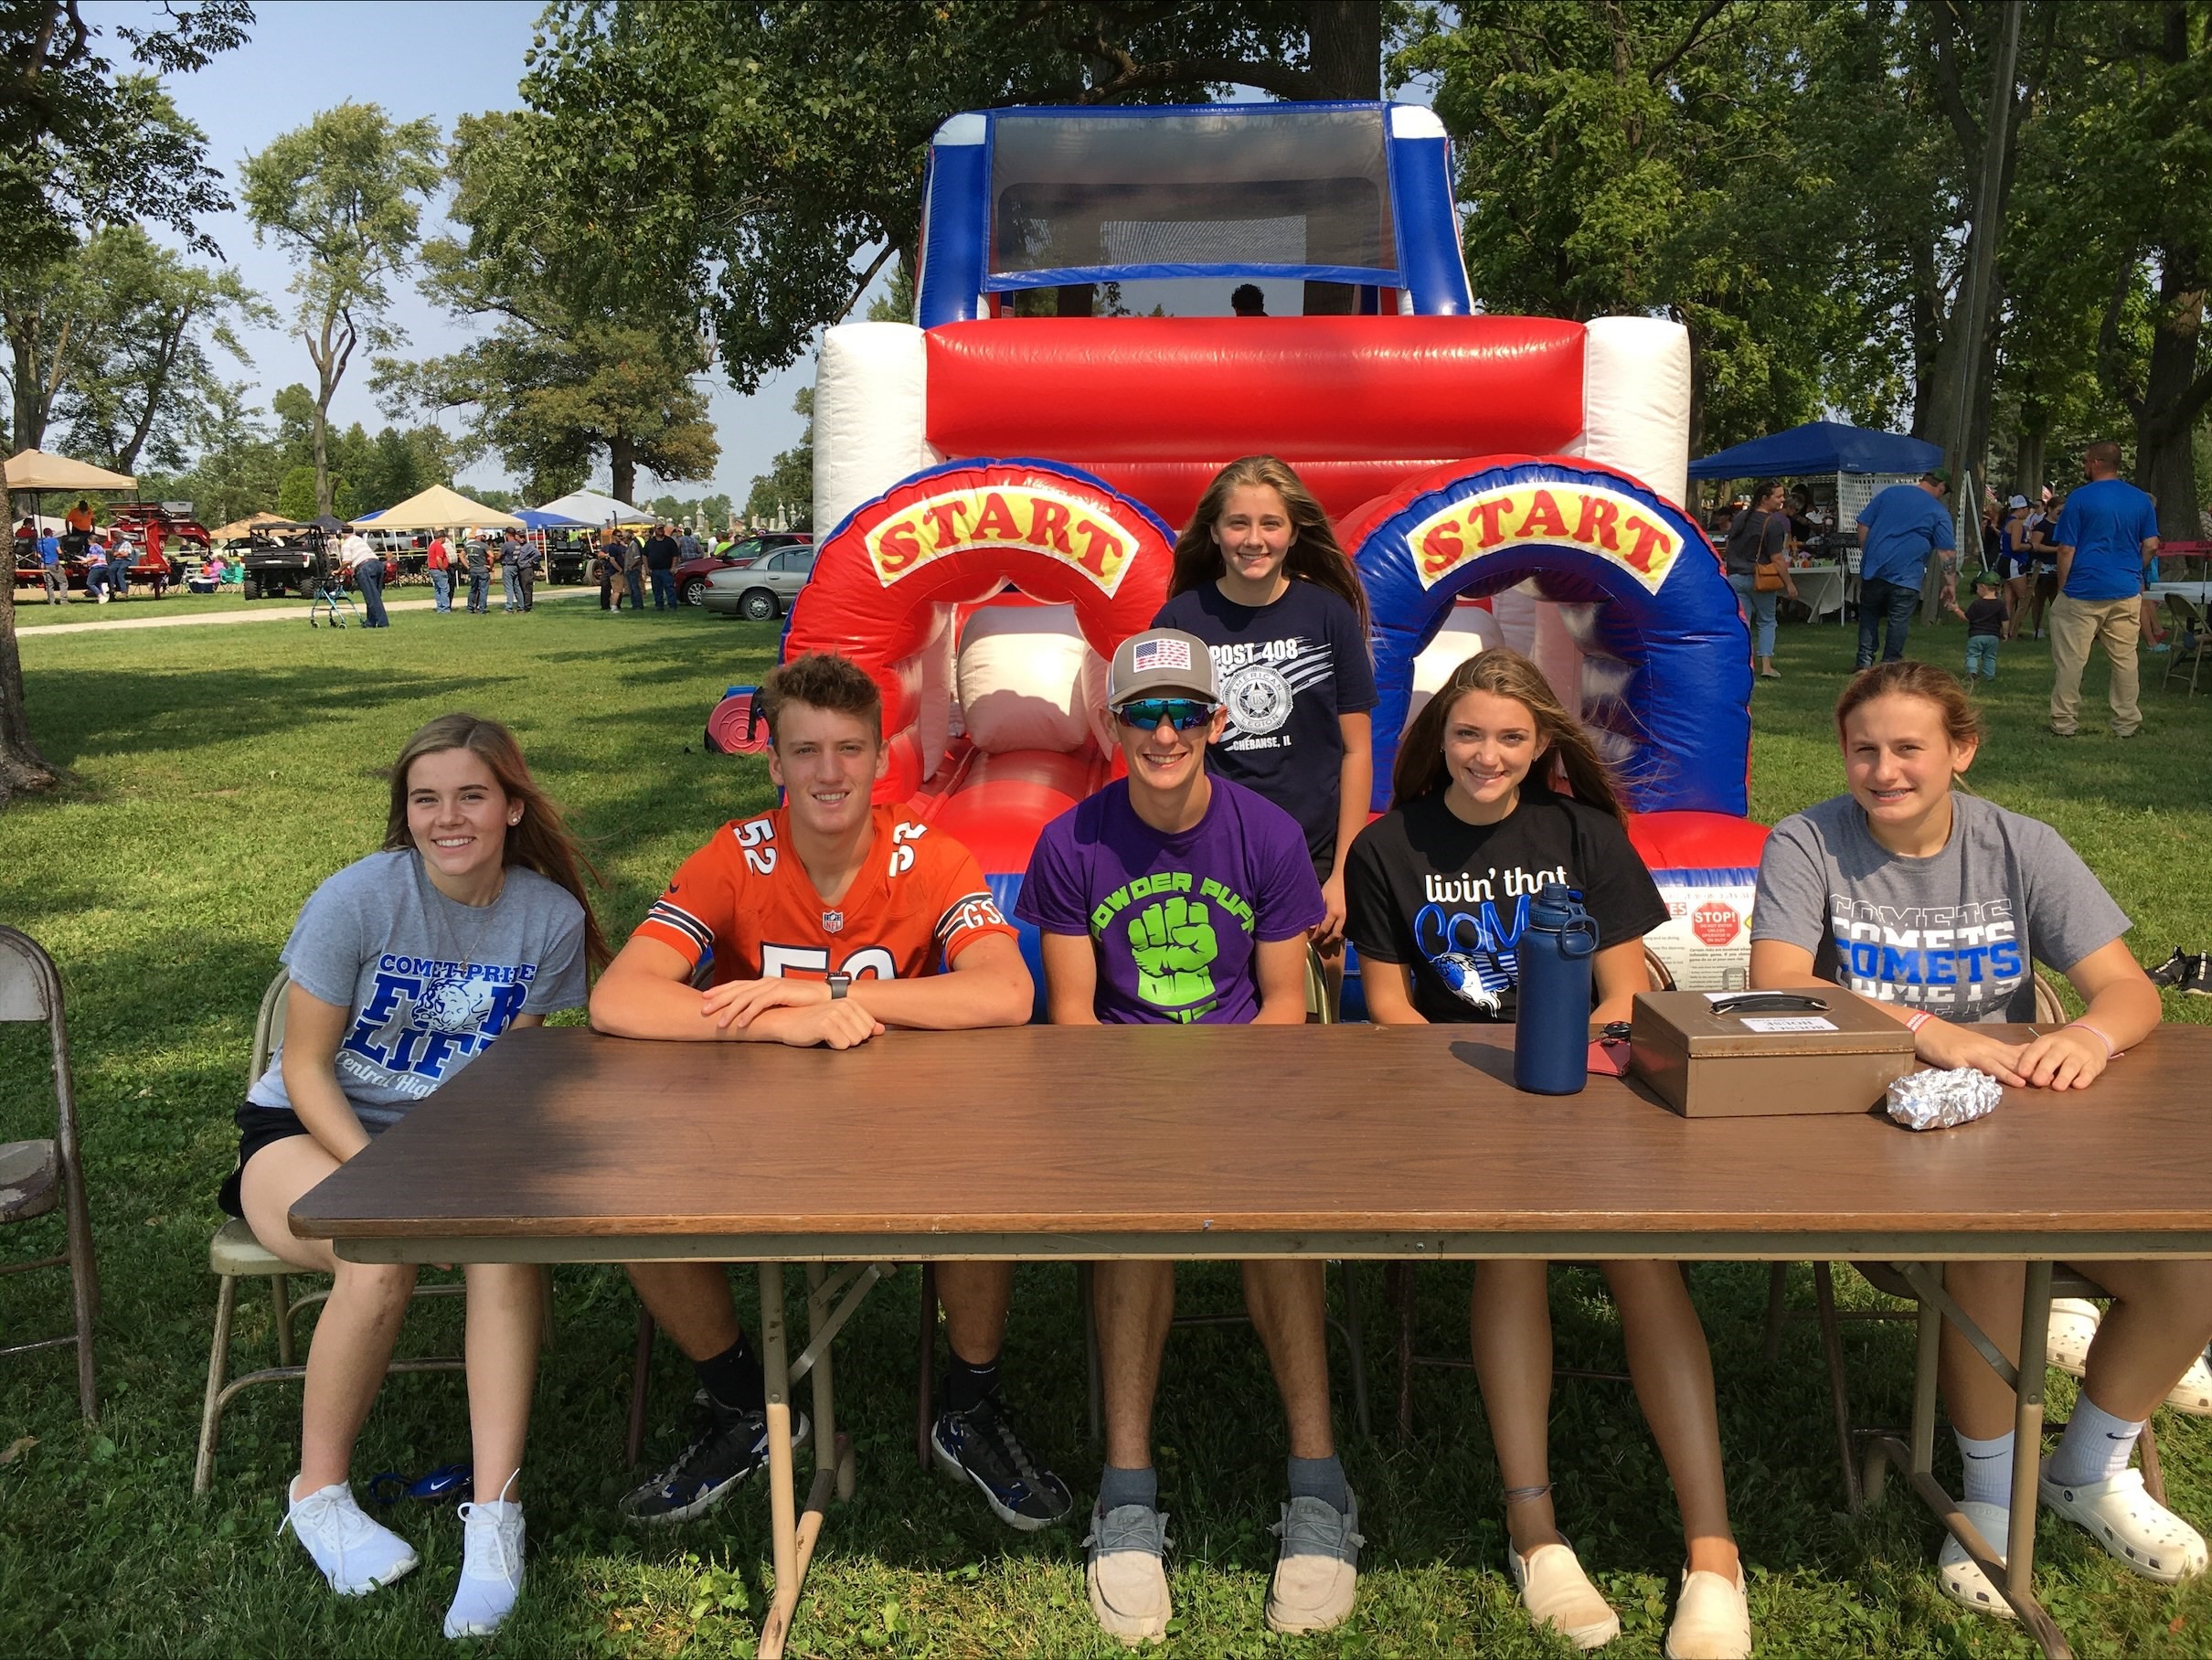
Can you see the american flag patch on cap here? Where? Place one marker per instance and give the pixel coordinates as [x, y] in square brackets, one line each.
[1151, 655]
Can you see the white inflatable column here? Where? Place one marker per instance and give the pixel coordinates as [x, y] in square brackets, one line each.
[871, 394]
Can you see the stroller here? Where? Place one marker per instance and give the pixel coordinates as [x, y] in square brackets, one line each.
[329, 588]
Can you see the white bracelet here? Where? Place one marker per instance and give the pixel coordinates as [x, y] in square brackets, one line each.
[1914, 1023]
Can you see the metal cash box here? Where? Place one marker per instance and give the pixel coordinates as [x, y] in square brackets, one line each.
[1765, 1054]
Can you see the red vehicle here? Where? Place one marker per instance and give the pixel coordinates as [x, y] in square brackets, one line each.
[161, 540]
[691, 574]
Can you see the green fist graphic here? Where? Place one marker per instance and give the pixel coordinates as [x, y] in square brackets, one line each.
[1173, 943]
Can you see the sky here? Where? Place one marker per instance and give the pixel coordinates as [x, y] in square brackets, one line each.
[436, 57]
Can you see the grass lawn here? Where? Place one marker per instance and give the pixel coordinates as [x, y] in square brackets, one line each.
[216, 775]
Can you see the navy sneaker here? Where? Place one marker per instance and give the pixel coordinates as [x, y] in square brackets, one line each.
[2175, 970]
[981, 1445]
[728, 1447]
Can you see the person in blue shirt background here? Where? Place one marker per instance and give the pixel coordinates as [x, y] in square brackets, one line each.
[2106, 537]
[1898, 529]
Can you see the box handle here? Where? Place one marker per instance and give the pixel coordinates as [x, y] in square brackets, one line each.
[1769, 1003]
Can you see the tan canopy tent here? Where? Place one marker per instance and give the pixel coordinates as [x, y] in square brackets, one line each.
[239, 529]
[35, 470]
[438, 508]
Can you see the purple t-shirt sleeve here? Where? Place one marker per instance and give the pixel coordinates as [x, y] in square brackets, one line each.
[1052, 898]
[1289, 899]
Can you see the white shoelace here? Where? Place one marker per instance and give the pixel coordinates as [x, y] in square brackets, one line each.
[492, 1533]
[335, 1519]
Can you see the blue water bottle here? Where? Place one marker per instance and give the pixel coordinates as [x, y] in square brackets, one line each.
[1551, 1028]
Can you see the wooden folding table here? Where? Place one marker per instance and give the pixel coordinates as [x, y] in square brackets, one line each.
[1163, 1141]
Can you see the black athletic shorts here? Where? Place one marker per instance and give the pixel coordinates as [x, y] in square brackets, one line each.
[257, 1128]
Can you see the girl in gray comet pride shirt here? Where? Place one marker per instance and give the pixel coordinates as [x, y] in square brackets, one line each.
[404, 967]
[1937, 905]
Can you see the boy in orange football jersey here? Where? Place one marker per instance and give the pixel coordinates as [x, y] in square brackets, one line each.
[825, 921]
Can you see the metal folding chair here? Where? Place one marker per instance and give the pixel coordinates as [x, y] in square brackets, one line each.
[234, 1254]
[38, 1176]
[2191, 642]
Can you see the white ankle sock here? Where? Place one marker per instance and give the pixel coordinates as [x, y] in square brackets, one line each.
[2095, 1447]
[1989, 1469]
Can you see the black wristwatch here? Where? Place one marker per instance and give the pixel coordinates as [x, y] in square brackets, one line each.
[839, 984]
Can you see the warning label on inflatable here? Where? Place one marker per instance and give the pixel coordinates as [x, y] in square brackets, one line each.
[1033, 517]
[1588, 517]
[1706, 942]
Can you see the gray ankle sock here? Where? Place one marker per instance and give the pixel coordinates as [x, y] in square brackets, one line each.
[1321, 1478]
[1118, 1488]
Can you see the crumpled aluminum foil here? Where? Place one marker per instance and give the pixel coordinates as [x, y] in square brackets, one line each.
[1937, 1100]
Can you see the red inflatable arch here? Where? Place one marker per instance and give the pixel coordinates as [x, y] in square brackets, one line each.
[889, 583]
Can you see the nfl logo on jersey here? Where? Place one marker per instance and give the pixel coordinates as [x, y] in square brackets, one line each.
[833, 921]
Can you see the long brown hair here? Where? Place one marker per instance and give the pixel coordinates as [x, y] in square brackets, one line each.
[542, 841]
[1419, 768]
[1962, 720]
[1314, 555]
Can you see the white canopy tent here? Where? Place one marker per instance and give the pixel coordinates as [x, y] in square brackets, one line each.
[438, 508]
[590, 507]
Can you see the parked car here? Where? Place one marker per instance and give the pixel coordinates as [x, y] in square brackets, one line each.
[273, 566]
[691, 575]
[764, 588]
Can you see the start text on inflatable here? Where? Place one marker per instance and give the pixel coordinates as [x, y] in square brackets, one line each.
[1589, 517]
[1030, 516]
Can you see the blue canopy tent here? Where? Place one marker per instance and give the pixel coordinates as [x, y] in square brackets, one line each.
[534, 518]
[1819, 449]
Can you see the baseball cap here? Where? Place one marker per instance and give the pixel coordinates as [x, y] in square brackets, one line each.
[2018, 501]
[1938, 476]
[1160, 659]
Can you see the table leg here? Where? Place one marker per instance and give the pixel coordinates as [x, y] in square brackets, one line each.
[825, 1401]
[2027, 1431]
[782, 1503]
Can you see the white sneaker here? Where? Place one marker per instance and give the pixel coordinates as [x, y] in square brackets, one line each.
[2131, 1525]
[355, 1554]
[491, 1569]
[2193, 1394]
[1126, 1573]
[1962, 1582]
[1712, 1619]
[2073, 1328]
[1556, 1592]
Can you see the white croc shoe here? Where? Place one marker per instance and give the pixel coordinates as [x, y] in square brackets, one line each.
[1556, 1592]
[2193, 1394]
[1963, 1583]
[2073, 1328]
[2135, 1526]
[1712, 1619]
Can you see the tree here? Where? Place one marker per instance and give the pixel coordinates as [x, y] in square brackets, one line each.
[239, 468]
[1638, 157]
[795, 175]
[139, 380]
[550, 387]
[81, 146]
[783, 496]
[342, 197]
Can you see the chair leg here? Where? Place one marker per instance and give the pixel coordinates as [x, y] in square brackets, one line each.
[280, 1292]
[211, 1407]
[2154, 1478]
[544, 1309]
[925, 1383]
[641, 1377]
[1093, 1381]
[1839, 1397]
[84, 1294]
[1355, 1340]
[1777, 1283]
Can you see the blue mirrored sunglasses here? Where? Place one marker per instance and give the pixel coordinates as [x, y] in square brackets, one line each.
[1184, 714]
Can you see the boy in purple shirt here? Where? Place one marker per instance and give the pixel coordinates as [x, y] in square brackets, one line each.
[1175, 898]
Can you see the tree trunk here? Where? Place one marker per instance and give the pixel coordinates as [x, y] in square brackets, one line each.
[22, 768]
[29, 423]
[1344, 47]
[322, 437]
[2028, 476]
[622, 456]
[2174, 399]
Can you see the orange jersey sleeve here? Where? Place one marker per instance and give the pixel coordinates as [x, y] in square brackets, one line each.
[698, 914]
[960, 903]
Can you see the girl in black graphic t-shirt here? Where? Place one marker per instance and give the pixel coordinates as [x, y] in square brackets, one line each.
[1260, 578]
[1437, 890]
